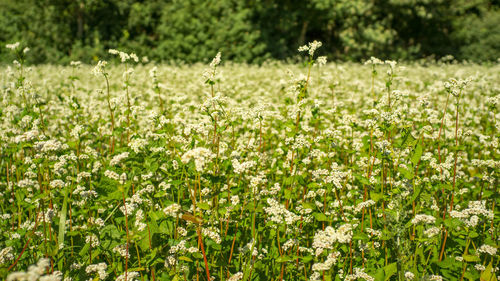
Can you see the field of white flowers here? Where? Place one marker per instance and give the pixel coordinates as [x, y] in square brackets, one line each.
[314, 171]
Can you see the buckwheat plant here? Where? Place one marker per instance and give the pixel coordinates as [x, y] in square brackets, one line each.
[312, 171]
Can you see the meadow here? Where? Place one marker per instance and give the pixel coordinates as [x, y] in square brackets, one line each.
[131, 170]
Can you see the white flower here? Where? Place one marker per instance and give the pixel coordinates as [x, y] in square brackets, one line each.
[118, 158]
[409, 275]
[325, 239]
[200, 155]
[374, 61]
[311, 47]
[36, 272]
[423, 218]
[431, 232]
[436, 278]
[479, 267]
[172, 210]
[6, 255]
[12, 46]
[131, 276]
[134, 57]
[321, 61]
[236, 277]
[487, 249]
[216, 61]
[99, 68]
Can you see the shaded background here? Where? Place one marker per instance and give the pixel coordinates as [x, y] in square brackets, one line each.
[58, 31]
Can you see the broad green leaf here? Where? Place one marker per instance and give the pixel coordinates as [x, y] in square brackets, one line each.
[62, 218]
[284, 259]
[203, 206]
[320, 217]
[390, 270]
[184, 258]
[417, 154]
[487, 274]
[376, 196]
[471, 258]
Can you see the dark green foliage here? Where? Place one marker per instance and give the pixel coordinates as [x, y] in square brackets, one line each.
[251, 30]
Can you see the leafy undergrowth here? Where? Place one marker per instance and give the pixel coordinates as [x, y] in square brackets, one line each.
[233, 172]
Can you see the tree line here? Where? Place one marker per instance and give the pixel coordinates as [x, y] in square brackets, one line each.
[58, 31]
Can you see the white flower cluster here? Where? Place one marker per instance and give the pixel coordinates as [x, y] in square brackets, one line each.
[428, 219]
[364, 204]
[121, 250]
[311, 47]
[240, 168]
[36, 272]
[118, 158]
[212, 233]
[112, 175]
[359, 273]
[328, 263]
[50, 146]
[92, 240]
[138, 144]
[172, 210]
[181, 248]
[431, 232]
[409, 275]
[470, 215]
[325, 239]
[488, 250]
[321, 61]
[131, 276]
[200, 155]
[216, 61]
[124, 56]
[374, 61]
[99, 268]
[6, 255]
[279, 214]
[12, 46]
[99, 68]
[236, 277]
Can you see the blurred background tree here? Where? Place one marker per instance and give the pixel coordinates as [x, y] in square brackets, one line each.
[58, 31]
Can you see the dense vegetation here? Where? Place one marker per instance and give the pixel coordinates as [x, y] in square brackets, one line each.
[317, 171]
[251, 30]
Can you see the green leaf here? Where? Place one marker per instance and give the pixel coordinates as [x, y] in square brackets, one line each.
[306, 259]
[361, 236]
[406, 173]
[284, 259]
[446, 263]
[379, 275]
[184, 258]
[320, 217]
[203, 206]
[308, 205]
[417, 154]
[362, 179]
[62, 219]
[471, 258]
[487, 275]
[376, 196]
[288, 194]
[390, 270]
[472, 275]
